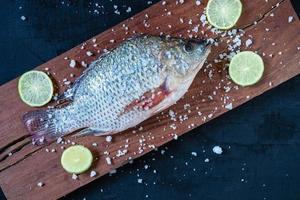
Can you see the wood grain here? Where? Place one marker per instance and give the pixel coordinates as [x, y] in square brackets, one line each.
[210, 92]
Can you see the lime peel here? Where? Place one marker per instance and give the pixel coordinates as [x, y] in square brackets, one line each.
[223, 14]
[76, 159]
[246, 68]
[35, 88]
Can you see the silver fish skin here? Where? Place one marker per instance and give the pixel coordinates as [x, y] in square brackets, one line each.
[119, 90]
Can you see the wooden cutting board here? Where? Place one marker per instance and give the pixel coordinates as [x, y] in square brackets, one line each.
[23, 165]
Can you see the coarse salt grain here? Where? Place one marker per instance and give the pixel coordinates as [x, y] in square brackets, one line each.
[108, 160]
[40, 184]
[217, 150]
[290, 19]
[74, 177]
[108, 138]
[229, 106]
[89, 53]
[194, 154]
[83, 64]
[140, 180]
[93, 173]
[249, 42]
[94, 144]
[59, 140]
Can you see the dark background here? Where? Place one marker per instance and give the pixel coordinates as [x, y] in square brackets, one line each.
[261, 140]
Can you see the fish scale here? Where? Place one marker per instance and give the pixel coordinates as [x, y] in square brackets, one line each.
[124, 87]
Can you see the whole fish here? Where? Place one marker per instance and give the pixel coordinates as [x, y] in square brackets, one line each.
[139, 78]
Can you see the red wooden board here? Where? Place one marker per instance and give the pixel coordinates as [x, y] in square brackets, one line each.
[266, 23]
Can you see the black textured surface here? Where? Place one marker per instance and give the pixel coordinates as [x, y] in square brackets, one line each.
[261, 140]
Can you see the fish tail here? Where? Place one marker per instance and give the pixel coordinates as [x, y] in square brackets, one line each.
[41, 127]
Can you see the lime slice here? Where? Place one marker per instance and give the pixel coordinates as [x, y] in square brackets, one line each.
[223, 14]
[35, 88]
[246, 68]
[76, 159]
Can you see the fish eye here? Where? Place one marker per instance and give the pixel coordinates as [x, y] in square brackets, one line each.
[188, 47]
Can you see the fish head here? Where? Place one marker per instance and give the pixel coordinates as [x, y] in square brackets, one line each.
[184, 58]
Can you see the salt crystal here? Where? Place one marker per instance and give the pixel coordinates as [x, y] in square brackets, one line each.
[198, 3]
[217, 150]
[229, 106]
[59, 140]
[113, 171]
[74, 176]
[128, 9]
[89, 53]
[94, 144]
[140, 180]
[249, 42]
[83, 64]
[108, 138]
[23, 18]
[93, 173]
[206, 160]
[194, 154]
[175, 136]
[108, 160]
[40, 184]
[290, 19]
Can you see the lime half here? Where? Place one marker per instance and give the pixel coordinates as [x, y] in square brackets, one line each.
[246, 68]
[35, 88]
[76, 159]
[223, 14]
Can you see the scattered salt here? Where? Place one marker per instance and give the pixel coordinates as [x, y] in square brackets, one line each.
[23, 18]
[194, 154]
[108, 160]
[140, 180]
[89, 53]
[108, 138]
[59, 140]
[94, 144]
[74, 176]
[40, 184]
[217, 150]
[229, 106]
[93, 173]
[249, 42]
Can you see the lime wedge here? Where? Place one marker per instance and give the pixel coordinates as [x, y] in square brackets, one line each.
[35, 88]
[223, 14]
[246, 68]
[76, 159]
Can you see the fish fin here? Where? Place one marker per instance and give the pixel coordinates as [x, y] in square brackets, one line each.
[84, 131]
[149, 99]
[40, 126]
[66, 96]
[104, 133]
[92, 131]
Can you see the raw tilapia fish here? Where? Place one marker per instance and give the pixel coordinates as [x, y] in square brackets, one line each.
[122, 88]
